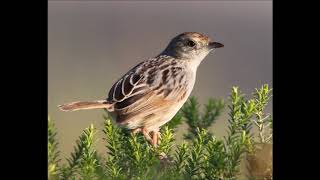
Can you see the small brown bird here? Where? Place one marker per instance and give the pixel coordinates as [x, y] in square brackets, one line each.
[152, 92]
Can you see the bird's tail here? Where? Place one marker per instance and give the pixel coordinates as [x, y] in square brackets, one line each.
[79, 105]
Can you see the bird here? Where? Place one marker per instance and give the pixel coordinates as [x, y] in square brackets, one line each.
[152, 92]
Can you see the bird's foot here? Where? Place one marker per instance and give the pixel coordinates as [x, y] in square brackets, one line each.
[163, 156]
[135, 131]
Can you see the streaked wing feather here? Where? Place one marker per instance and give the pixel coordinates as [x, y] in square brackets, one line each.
[152, 85]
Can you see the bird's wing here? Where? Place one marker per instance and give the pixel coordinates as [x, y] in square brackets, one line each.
[150, 86]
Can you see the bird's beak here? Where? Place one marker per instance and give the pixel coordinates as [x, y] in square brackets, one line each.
[213, 45]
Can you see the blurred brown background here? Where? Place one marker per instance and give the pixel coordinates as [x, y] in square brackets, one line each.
[92, 43]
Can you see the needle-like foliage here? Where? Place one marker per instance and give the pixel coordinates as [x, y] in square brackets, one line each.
[204, 156]
[195, 119]
[53, 153]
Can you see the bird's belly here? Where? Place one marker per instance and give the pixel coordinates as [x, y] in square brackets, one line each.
[156, 119]
[162, 117]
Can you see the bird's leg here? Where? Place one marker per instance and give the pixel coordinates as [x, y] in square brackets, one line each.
[155, 138]
[155, 143]
[145, 133]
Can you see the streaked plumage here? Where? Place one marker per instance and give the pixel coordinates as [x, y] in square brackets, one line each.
[152, 92]
[148, 91]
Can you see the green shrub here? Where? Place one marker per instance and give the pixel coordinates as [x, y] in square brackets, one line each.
[53, 152]
[201, 156]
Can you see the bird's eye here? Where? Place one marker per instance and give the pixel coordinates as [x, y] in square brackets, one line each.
[191, 43]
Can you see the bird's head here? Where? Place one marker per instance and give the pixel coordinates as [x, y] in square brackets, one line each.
[191, 45]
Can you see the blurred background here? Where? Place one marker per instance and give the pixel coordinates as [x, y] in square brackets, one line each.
[92, 43]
